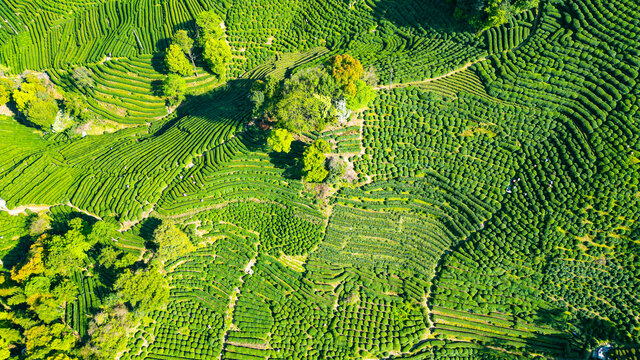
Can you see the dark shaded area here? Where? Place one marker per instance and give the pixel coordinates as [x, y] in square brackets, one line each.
[420, 14]
[157, 60]
[163, 44]
[59, 223]
[18, 253]
[156, 88]
[291, 162]
[226, 99]
[148, 226]
[584, 332]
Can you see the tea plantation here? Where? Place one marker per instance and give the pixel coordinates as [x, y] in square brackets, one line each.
[319, 179]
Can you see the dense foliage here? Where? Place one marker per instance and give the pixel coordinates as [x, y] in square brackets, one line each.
[319, 179]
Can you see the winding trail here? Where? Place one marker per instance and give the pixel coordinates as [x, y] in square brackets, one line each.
[534, 27]
[37, 208]
[425, 81]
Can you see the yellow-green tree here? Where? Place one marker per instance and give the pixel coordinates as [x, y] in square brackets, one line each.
[314, 159]
[33, 100]
[46, 340]
[174, 87]
[172, 242]
[216, 54]
[6, 87]
[209, 24]
[34, 264]
[280, 140]
[176, 61]
[146, 290]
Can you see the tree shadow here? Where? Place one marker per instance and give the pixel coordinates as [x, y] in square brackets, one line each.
[228, 99]
[18, 254]
[156, 88]
[436, 15]
[59, 222]
[290, 162]
[148, 226]
[157, 60]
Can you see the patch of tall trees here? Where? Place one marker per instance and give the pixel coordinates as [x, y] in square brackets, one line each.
[35, 292]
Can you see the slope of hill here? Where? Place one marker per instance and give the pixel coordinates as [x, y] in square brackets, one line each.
[490, 209]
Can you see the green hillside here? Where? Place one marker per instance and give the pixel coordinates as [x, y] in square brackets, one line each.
[319, 179]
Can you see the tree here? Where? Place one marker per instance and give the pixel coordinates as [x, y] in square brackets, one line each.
[314, 159]
[46, 307]
[44, 339]
[108, 332]
[42, 112]
[172, 242]
[109, 256]
[34, 264]
[209, 25]
[256, 97]
[363, 96]
[37, 286]
[300, 112]
[146, 290]
[6, 88]
[101, 231]
[7, 287]
[35, 103]
[280, 140]
[75, 105]
[67, 253]
[317, 175]
[60, 356]
[82, 77]
[336, 169]
[216, 54]
[176, 61]
[66, 292]
[315, 80]
[174, 88]
[182, 39]
[27, 93]
[498, 12]
[346, 70]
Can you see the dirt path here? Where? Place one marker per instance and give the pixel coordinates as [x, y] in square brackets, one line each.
[534, 27]
[233, 302]
[425, 81]
[37, 208]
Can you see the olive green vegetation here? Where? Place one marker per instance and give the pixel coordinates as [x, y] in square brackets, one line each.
[215, 50]
[314, 161]
[485, 14]
[83, 77]
[305, 101]
[177, 62]
[280, 140]
[41, 291]
[328, 179]
[174, 88]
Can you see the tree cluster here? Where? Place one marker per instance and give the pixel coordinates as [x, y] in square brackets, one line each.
[32, 99]
[309, 99]
[484, 14]
[180, 58]
[36, 292]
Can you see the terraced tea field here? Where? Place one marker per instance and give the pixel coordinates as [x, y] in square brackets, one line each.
[477, 194]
